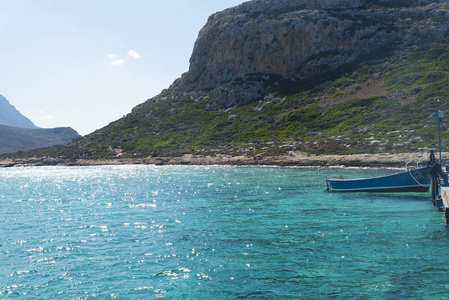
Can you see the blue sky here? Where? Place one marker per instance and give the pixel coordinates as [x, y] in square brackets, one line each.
[86, 63]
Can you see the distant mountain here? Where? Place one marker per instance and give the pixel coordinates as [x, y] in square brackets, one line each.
[18, 133]
[10, 116]
[13, 139]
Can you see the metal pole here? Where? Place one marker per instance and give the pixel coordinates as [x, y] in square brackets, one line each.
[439, 132]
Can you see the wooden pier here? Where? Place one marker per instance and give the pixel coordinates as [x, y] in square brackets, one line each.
[439, 185]
[443, 202]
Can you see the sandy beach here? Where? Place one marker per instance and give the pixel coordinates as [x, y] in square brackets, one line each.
[293, 158]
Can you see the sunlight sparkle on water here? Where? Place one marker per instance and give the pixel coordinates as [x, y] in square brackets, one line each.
[211, 232]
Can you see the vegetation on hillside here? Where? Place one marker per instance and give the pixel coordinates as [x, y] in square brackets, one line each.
[320, 116]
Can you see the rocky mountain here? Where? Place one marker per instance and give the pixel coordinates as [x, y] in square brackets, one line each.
[10, 116]
[317, 76]
[18, 133]
[299, 39]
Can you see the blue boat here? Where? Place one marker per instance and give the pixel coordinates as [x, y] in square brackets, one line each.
[413, 180]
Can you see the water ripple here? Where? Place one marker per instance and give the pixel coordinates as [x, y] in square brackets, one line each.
[209, 233]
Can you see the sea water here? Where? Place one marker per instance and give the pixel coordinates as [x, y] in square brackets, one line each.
[213, 232]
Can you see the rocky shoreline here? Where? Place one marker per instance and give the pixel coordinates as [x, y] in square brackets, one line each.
[293, 158]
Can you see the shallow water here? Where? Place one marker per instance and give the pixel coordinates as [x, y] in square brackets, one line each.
[213, 232]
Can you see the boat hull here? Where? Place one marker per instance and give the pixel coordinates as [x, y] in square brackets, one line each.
[417, 180]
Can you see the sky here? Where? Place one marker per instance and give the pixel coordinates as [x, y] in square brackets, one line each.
[86, 63]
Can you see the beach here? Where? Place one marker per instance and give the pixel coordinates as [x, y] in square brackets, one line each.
[292, 158]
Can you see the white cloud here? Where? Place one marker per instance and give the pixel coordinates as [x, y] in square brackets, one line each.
[43, 115]
[46, 117]
[117, 62]
[133, 54]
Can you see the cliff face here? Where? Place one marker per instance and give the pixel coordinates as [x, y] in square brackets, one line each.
[240, 48]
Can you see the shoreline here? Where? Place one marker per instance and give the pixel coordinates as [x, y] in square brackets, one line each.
[292, 158]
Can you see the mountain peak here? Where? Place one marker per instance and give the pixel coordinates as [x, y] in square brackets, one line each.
[10, 116]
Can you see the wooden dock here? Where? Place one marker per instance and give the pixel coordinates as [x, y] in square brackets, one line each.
[443, 202]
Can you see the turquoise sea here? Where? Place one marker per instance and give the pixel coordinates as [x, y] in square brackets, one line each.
[212, 232]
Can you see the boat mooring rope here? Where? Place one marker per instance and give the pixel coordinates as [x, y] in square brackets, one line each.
[411, 174]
